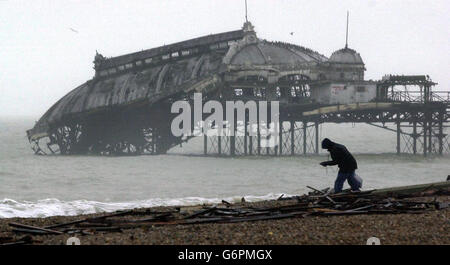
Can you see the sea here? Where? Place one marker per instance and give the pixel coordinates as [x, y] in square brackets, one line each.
[41, 186]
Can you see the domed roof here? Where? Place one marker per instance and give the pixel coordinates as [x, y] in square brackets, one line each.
[265, 52]
[346, 55]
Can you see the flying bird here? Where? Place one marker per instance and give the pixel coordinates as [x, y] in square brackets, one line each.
[292, 33]
[73, 30]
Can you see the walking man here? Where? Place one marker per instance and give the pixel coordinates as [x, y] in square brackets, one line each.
[347, 165]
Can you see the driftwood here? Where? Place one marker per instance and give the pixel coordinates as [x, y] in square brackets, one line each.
[9, 241]
[30, 231]
[201, 212]
[66, 224]
[316, 203]
[35, 228]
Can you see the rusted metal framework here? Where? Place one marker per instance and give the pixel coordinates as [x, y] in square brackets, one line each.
[126, 108]
[419, 128]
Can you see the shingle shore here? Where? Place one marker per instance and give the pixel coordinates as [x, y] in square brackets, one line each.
[431, 227]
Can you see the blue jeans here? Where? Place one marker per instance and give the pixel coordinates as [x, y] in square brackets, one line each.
[354, 182]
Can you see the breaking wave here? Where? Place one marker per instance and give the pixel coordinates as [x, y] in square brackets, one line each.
[53, 207]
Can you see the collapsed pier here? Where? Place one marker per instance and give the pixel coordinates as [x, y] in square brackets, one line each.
[125, 109]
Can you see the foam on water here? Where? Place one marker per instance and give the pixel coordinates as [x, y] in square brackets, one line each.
[54, 207]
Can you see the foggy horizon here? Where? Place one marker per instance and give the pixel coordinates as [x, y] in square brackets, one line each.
[47, 47]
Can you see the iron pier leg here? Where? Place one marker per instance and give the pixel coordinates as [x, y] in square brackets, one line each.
[415, 137]
[316, 125]
[425, 137]
[268, 127]
[276, 145]
[430, 136]
[233, 137]
[398, 133]
[245, 134]
[258, 129]
[280, 132]
[441, 132]
[232, 146]
[153, 140]
[267, 146]
[305, 124]
[219, 144]
[205, 144]
[250, 144]
[292, 123]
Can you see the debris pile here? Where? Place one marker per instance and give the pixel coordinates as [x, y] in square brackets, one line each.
[316, 203]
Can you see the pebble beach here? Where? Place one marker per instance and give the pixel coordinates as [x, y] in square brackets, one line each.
[431, 227]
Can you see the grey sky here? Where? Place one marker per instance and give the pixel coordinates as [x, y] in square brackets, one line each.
[47, 47]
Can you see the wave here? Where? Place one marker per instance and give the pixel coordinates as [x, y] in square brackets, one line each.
[53, 207]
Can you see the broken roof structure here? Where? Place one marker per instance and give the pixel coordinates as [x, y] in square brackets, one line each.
[128, 87]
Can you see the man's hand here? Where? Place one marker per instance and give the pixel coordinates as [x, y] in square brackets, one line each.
[324, 164]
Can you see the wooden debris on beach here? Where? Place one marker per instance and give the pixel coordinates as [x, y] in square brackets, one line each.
[34, 229]
[316, 203]
[9, 241]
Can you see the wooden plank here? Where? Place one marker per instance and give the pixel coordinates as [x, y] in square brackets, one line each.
[411, 189]
[90, 219]
[35, 228]
[121, 213]
[258, 218]
[202, 212]
[30, 231]
[314, 189]
[65, 224]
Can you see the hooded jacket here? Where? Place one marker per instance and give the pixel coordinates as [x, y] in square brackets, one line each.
[340, 156]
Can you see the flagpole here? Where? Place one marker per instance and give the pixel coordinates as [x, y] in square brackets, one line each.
[346, 34]
[246, 19]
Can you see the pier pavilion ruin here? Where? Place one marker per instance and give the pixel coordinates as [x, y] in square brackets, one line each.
[125, 108]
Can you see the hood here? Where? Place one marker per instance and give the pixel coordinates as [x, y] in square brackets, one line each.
[327, 143]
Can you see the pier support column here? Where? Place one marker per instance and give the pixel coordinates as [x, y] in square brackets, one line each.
[245, 133]
[430, 135]
[250, 136]
[292, 124]
[398, 134]
[267, 147]
[425, 137]
[268, 127]
[250, 140]
[205, 144]
[441, 132]
[233, 136]
[232, 145]
[219, 144]
[258, 132]
[153, 140]
[414, 137]
[316, 125]
[305, 124]
[280, 137]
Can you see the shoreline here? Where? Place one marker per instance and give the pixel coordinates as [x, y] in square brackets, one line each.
[151, 226]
